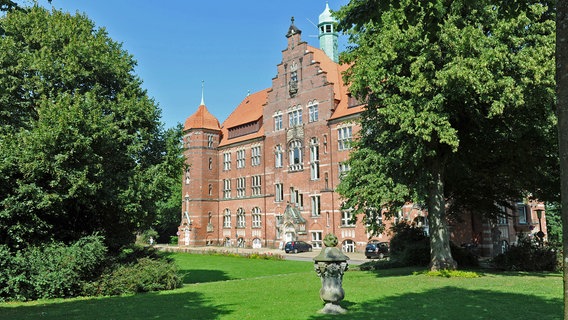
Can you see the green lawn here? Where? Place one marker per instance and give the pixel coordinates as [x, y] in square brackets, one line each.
[220, 287]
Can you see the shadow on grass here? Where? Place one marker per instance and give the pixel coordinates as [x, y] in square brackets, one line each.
[167, 305]
[453, 303]
[200, 276]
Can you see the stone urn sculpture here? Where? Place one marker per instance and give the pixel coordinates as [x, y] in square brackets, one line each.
[330, 265]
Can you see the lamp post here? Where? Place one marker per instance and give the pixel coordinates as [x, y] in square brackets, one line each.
[540, 234]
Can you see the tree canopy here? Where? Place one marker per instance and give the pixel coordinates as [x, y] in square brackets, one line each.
[460, 107]
[82, 149]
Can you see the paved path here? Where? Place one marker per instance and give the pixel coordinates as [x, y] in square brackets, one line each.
[355, 258]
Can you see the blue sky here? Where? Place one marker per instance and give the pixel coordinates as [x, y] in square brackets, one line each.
[233, 46]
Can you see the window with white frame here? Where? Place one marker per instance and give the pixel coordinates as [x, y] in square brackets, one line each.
[314, 159]
[313, 111]
[316, 239]
[278, 192]
[226, 161]
[344, 167]
[316, 206]
[295, 117]
[296, 155]
[241, 187]
[522, 213]
[226, 188]
[256, 218]
[227, 218]
[256, 185]
[278, 156]
[372, 214]
[296, 197]
[344, 137]
[241, 221]
[210, 141]
[241, 158]
[278, 122]
[346, 218]
[255, 156]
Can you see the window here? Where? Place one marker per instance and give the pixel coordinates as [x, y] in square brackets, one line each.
[347, 218]
[255, 156]
[313, 111]
[296, 197]
[187, 175]
[278, 156]
[344, 167]
[256, 185]
[210, 164]
[316, 239]
[256, 218]
[279, 192]
[241, 222]
[278, 122]
[226, 161]
[210, 141]
[296, 155]
[241, 158]
[227, 219]
[522, 213]
[344, 138]
[314, 159]
[226, 188]
[316, 206]
[241, 187]
[348, 246]
[295, 117]
[210, 189]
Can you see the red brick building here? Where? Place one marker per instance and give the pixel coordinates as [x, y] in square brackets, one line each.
[267, 175]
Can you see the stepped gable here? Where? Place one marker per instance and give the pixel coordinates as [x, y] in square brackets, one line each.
[334, 74]
[201, 119]
[245, 122]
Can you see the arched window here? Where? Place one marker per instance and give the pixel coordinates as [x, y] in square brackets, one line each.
[210, 189]
[241, 223]
[210, 163]
[314, 159]
[278, 156]
[227, 219]
[256, 218]
[296, 155]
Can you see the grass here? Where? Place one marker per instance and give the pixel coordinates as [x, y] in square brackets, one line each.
[218, 287]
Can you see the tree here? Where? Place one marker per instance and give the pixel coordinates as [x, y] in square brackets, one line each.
[562, 111]
[81, 146]
[458, 115]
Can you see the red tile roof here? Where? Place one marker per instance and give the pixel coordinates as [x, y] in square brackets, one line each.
[249, 110]
[334, 74]
[201, 119]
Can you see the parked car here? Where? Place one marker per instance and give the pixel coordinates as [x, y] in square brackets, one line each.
[297, 246]
[377, 249]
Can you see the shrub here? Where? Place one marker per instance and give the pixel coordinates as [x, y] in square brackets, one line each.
[174, 240]
[411, 247]
[144, 275]
[527, 255]
[52, 270]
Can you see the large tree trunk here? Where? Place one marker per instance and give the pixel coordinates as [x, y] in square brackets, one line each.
[562, 109]
[440, 252]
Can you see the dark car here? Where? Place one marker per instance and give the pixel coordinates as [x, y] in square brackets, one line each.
[297, 246]
[376, 249]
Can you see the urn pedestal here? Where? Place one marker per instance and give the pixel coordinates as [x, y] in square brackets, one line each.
[330, 265]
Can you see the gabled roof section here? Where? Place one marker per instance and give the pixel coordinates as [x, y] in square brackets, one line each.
[292, 214]
[334, 74]
[249, 111]
[201, 119]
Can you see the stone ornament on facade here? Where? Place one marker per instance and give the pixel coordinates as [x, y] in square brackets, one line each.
[330, 265]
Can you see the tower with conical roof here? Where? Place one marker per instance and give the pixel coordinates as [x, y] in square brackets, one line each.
[202, 134]
[328, 36]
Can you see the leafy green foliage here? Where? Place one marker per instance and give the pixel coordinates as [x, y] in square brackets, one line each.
[51, 270]
[459, 106]
[527, 255]
[144, 275]
[81, 146]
